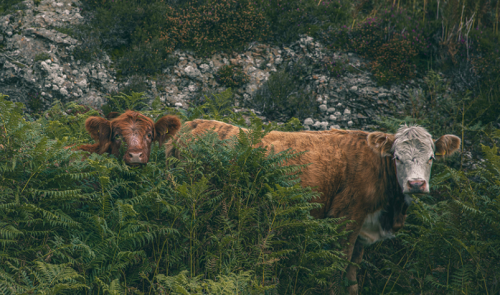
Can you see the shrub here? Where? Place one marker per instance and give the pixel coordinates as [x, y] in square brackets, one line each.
[232, 76]
[391, 40]
[122, 102]
[335, 66]
[9, 6]
[227, 218]
[225, 25]
[35, 101]
[283, 96]
[288, 19]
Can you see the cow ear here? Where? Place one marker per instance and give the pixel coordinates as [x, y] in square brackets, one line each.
[100, 130]
[381, 143]
[112, 115]
[446, 145]
[166, 127]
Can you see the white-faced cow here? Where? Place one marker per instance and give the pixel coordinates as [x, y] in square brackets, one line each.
[365, 177]
[131, 132]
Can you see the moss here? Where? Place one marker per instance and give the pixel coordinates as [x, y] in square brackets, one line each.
[65, 30]
[41, 56]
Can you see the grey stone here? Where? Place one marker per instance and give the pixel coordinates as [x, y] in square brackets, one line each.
[204, 68]
[323, 108]
[308, 121]
[330, 110]
[323, 125]
[192, 72]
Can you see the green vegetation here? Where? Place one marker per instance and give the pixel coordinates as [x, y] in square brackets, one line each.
[228, 218]
[96, 225]
[285, 95]
[9, 6]
[42, 56]
[232, 76]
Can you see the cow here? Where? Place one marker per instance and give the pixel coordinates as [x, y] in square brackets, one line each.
[131, 132]
[366, 177]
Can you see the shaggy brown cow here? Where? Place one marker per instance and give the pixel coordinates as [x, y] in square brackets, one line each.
[131, 131]
[365, 177]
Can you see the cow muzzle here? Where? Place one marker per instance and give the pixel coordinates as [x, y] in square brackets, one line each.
[135, 158]
[416, 186]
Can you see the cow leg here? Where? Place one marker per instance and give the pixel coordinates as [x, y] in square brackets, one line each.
[357, 256]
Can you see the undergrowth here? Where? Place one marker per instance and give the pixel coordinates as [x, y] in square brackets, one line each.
[228, 218]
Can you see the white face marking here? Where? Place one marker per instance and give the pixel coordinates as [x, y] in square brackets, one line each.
[413, 151]
[372, 230]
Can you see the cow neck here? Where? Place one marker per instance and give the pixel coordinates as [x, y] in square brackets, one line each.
[391, 193]
[391, 184]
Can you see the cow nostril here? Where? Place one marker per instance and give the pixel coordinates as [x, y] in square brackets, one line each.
[416, 184]
[140, 155]
[130, 155]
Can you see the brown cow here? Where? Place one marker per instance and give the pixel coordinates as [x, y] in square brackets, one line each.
[365, 177]
[130, 130]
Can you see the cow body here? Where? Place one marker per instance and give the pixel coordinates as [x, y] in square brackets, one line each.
[129, 135]
[356, 175]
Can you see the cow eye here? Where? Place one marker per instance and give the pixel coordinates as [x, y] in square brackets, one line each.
[431, 158]
[149, 135]
[397, 159]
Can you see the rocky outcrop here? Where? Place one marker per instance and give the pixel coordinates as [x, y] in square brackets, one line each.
[36, 59]
[37, 64]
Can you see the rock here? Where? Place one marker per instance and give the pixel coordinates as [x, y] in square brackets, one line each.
[323, 125]
[204, 68]
[192, 72]
[308, 121]
[61, 77]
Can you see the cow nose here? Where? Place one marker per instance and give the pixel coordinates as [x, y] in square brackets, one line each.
[135, 157]
[417, 185]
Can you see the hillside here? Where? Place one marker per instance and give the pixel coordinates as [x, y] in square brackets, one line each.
[98, 226]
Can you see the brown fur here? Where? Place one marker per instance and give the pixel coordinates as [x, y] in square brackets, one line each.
[136, 130]
[350, 169]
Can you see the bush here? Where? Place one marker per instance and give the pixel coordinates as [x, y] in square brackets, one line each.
[225, 25]
[391, 40]
[283, 96]
[232, 76]
[335, 66]
[122, 102]
[9, 6]
[288, 19]
[227, 218]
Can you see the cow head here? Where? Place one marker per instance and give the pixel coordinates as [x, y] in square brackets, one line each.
[413, 151]
[130, 134]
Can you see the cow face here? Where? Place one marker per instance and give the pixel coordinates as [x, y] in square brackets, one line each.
[130, 134]
[413, 151]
